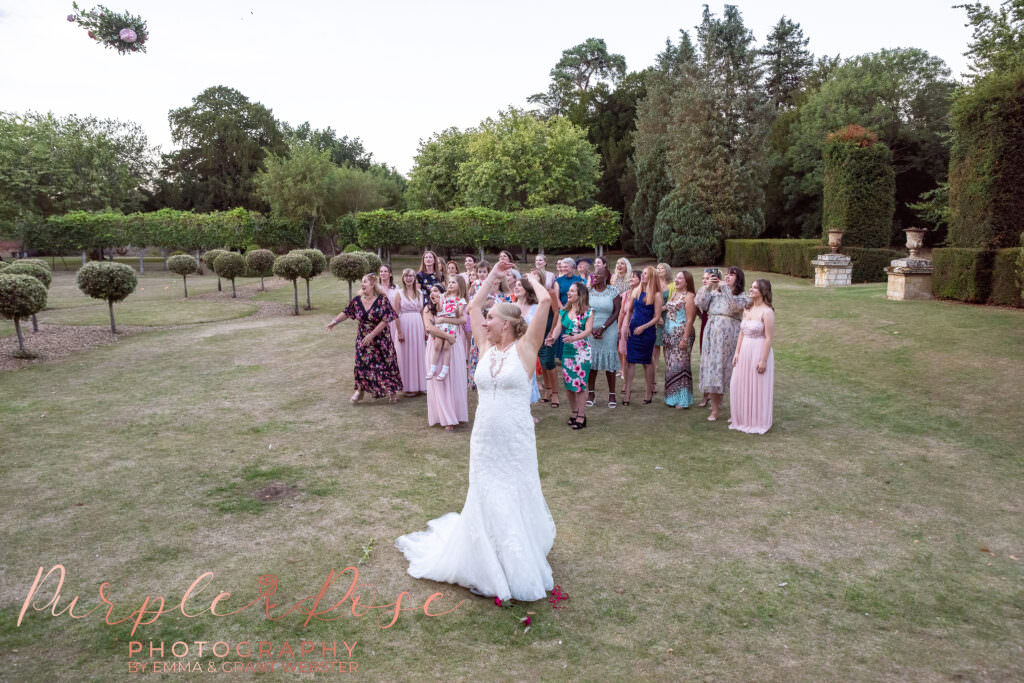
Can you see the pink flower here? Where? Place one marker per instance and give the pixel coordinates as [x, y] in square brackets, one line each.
[526, 621]
[71, 17]
[497, 601]
[127, 35]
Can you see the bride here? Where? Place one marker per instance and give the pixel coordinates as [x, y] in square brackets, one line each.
[498, 544]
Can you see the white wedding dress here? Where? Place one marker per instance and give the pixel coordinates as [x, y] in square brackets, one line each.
[498, 544]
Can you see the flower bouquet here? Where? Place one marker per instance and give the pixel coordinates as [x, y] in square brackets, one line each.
[122, 31]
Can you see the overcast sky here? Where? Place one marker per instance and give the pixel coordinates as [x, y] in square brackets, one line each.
[392, 72]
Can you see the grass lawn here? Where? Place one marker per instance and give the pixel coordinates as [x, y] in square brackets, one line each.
[873, 534]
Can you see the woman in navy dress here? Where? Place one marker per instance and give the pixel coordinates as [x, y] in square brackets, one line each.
[644, 312]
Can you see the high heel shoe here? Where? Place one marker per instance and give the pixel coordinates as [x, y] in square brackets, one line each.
[590, 398]
[572, 419]
[580, 425]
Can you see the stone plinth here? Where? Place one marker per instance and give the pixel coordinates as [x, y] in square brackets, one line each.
[909, 278]
[832, 270]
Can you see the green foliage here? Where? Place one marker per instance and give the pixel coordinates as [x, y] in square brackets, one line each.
[23, 267]
[20, 295]
[584, 72]
[341, 151]
[998, 36]
[316, 258]
[434, 179]
[210, 256]
[685, 233]
[80, 231]
[345, 230]
[349, 248]
[182, 264]
[106, 280]
[37, 261]
[105, 25]
[279, 234]
[229, 265]
[260, 262]
[962, 273]
[869, 264]
[859, 188]
[986, 169]
[789, 256]
[373, 262]
[787, 63]
[904, 95]
[223, 140]
[292, 267]
[1006, 288]
[349, 266]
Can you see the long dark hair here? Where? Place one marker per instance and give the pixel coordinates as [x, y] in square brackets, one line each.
[431, 306]
[740, 283]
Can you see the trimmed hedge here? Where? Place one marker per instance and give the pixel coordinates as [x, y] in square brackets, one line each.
[793, 257]
[859, 189]
[963, 274]
[1006, 289]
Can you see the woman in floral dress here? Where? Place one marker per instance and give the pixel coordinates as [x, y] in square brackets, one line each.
[575, 323]
[724, 303]
[376, 366]
[679, 333]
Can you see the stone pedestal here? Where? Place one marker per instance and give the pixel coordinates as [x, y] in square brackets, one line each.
[832, 270]
[909, 278]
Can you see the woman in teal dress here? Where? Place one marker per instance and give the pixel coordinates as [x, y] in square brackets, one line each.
[575, 323]
[680, 313]
[605, 302]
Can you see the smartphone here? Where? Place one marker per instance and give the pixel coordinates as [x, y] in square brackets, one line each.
[714, 272]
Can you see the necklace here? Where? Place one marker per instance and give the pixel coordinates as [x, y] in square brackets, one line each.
[500, 362]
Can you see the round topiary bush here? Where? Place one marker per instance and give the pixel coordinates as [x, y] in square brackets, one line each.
[20, 297]
[260, 262]
[349, 267]
[107, 280]
[184, 265]
[373, 262]
[292, 267]
[209, 257]
[229, 265]
[38, 261]
[319, 263]
[40, 272]
[351, 248]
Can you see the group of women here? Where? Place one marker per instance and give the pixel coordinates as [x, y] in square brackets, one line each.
[606, 320]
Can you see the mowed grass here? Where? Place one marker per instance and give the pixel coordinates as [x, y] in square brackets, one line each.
[874, 534]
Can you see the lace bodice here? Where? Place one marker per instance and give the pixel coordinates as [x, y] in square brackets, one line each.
[752, 329]
[500, 378]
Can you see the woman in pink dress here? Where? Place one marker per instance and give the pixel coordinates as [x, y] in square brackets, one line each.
[753, 375]
[411, 336]
[447, 402]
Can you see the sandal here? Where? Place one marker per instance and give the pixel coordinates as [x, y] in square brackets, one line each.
[572, 419]
[580, 425]
[611, 401]
[357, 396]
[554, 403]
[590, 399]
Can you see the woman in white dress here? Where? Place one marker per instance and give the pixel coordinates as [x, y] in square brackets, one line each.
[498, 545]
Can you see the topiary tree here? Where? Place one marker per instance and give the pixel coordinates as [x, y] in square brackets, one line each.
[373, 261]
[685, 233]
[319, 263]
[20, 296]
[184, 265]
[292, 267]
[209, 257]
[349, 267]
[860, 188]
[351, 248]
[38, 261]
[229, 265]
[39, 272]
[260, 262]
[107, 280]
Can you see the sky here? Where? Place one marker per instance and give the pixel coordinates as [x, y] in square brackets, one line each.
[393, 73]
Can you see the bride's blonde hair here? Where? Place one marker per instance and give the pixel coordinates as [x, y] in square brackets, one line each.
[513, 315]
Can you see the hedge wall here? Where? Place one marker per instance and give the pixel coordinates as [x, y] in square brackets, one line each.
[962, 274]
[793, 257]
[860, 188]
[1006, 279]
[986, 166]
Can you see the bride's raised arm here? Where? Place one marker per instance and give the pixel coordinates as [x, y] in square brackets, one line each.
[534, 336]
[476, 306]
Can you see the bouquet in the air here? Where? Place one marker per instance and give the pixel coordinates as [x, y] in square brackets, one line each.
[122, 31]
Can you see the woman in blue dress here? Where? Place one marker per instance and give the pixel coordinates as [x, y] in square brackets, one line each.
[644, 311]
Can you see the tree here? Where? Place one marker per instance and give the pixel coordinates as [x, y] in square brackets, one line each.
[341, 151]
[904, 95]
[998, 37]
[211, 255]
[229, 265]
[224, 140]
[292, 267]
[434, 179]
[318, 263]
[584, 71]
[787, 62]
[184, 265]
[518, 161]
[349, 267]
[107, 280]
[20, 296]
[260, 262]
[34, 269]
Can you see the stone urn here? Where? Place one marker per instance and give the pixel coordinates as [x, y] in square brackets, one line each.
[835, 240]
[915, 240]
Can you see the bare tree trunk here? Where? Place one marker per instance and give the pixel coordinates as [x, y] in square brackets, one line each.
[233, 294]
[21, 339]
[309, 305]
[163, 252]
[263, 287]
[85, 257]
[110, 304]
[142, 264]
[184, 280]
[295, 286]
[350, 290]
[35, 323]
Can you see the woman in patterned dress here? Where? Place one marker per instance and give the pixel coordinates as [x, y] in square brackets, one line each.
[376, 365]
[430, 273]
[605, 302]
[574, 324]
[679, 334]
[724, 303]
